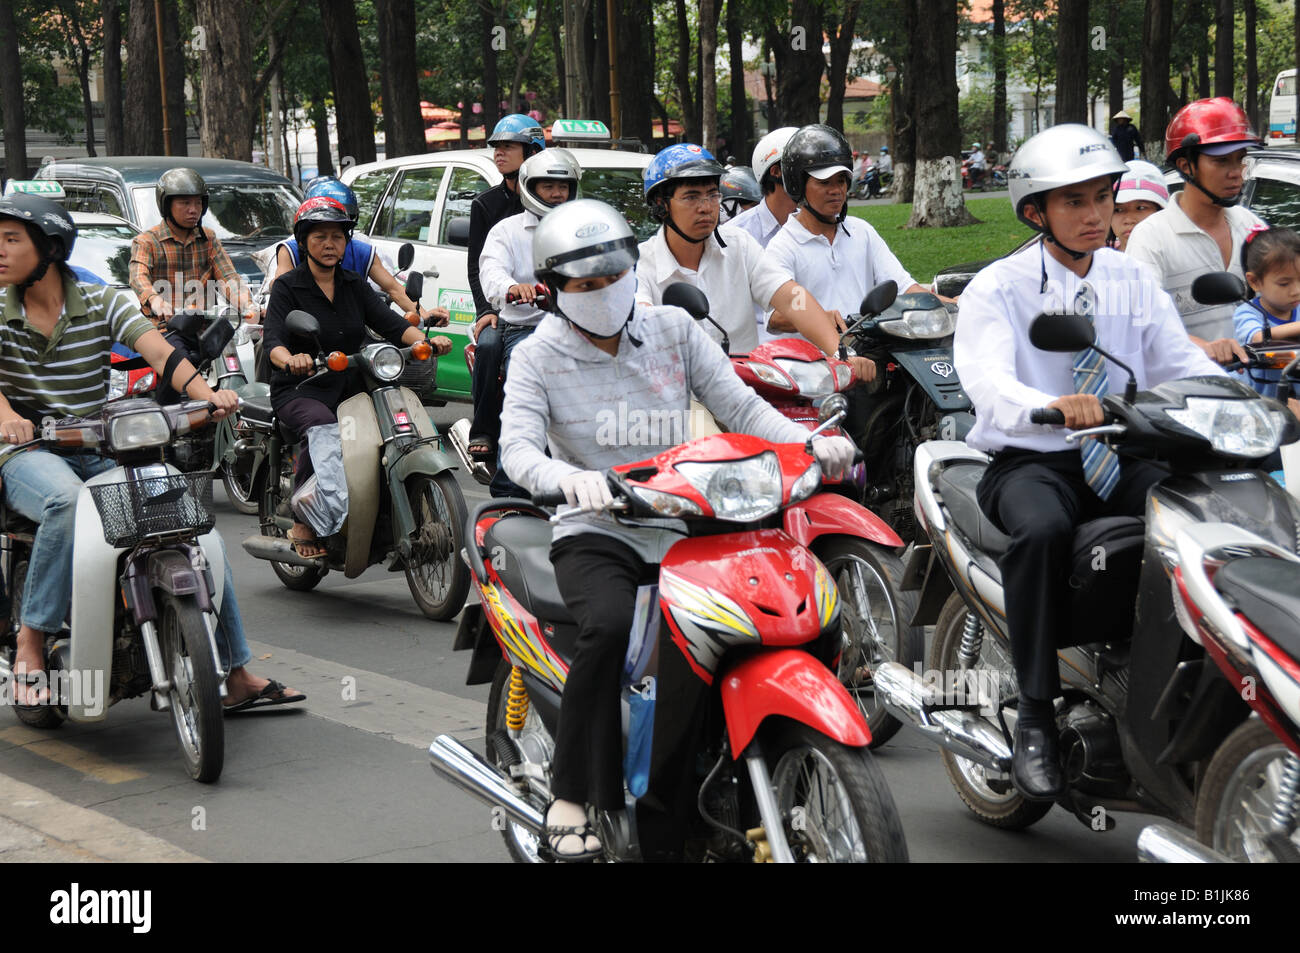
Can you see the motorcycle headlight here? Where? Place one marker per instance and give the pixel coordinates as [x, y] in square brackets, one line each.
[139, 431]
[116, 384]
[385, 361]
[921, 325]
[807, 484]
[667, 504]
[843, 376]
[813, 378]
[144, 384]
[768, 374]
[738, 490]
[1237, 428]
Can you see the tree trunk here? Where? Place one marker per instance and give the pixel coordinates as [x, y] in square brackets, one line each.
[709, 79]
[636, 69]
[320, 121]
[1000, 121]
[276, 154]
[111, 13]
[143, 125]
[1072, 61]
[1252, 66]
[355, 122]
[403, 124]
[558, 50]
[937, 199]
[1115, 66]
[769, 89]
[1223, 23]
[11, 94]
[841, 47]
[491, 73]
[174, 58]
[902, 105]
[597, 38]
[800, 64]
[742, 133]
[1155, 72]
[1202, 34]
[682, 74]
[226, 124]
[521, 62]
[576, 65]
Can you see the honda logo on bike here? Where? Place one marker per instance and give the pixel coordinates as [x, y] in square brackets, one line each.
[942, 368]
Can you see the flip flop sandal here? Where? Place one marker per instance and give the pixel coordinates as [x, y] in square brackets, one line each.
[486, 452]
[555, 834]
[27, 680]
[265, 699]
[299, 541]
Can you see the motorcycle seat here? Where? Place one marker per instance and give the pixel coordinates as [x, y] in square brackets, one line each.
[256, 411]
[1266, 590]
[957, 483]
[526, 570]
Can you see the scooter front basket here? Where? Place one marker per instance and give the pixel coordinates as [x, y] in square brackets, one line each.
[135, 510]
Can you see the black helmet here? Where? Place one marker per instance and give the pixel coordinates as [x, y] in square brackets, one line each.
[812, 147]
[177, 182]
[50, 226]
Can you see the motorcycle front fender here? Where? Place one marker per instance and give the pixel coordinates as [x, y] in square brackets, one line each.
[424, 460]
[362, 443]
[826, 514]
[792, 684]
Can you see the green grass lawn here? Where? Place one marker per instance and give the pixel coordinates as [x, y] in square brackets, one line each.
[925, 251]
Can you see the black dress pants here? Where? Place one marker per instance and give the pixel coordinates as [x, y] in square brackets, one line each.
[1039, 499]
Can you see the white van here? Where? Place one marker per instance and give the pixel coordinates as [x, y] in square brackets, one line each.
[1281, 110]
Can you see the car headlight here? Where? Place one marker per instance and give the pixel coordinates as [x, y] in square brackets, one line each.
[139, 431]
[666, 504]
[385, 361]
[921, 325]
[1237, 428]
[738, 490]
[813, 378]
[808, 484]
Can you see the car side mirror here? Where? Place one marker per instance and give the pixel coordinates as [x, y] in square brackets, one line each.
[687, 297]
[879, 298]
[458, 232]
[1062, 332]
[1218, 287]
[405, 255]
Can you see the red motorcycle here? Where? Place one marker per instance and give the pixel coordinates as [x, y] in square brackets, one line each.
[736, 637]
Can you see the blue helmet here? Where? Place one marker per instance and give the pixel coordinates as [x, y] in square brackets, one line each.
[522, 129]
[332, 188]
[682, 161]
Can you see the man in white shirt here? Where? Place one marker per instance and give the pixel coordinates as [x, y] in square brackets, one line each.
[886, 162]
[1036, 489]
[1202, 228]
[681, 188]
[976, 165]
[546, 180]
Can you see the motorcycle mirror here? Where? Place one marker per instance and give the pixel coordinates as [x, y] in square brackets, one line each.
[1218, 287]
[415, 286]
[458, 232]
[689, 298]
[831, 406]
[879, 298]
[302, 324]
[1061, 332]
[214, 340]
[187, 323]
[405, 255]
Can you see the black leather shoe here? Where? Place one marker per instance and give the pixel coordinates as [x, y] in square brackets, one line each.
[1036, 764]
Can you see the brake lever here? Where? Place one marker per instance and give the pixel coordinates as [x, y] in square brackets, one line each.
[1117, 430]
[617, 505]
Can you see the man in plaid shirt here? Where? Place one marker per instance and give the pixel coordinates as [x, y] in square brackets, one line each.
[172, 263]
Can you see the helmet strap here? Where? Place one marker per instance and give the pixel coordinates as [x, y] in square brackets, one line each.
[1218, 200]
[1046, 229]
[694, 241]
[824, 219]
[37, 274]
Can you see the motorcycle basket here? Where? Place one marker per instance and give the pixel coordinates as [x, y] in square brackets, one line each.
[154, 506]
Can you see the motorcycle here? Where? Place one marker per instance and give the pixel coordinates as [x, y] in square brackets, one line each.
[871, 185]
[1142, 710]
[990, 180]
[147, 582]
[916, 395]
[736, 639]
[403, 502]
[856, 545]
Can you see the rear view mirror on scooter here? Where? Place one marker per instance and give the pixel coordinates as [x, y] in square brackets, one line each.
[214, 340]
[695, 303]
[879, 298]
[415, 286]
[405, 255]
[1067, 333]
[304, 325]
[1218, 287]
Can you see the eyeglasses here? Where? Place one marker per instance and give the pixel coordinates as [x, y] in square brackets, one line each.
[700, 200]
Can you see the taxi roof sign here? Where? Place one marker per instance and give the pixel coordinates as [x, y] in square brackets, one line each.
[579, 129]
[50, 188]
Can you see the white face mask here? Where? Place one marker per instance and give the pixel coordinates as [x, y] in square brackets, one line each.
[602, 313]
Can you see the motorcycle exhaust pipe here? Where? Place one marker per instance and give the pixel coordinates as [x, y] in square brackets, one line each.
[278, 551]
[966, 735]
[458, 434]
[1165, 844]
[472, 774]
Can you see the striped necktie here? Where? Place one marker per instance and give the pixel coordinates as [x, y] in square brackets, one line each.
[1100, 463]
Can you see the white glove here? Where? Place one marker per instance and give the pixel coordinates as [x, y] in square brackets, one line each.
[835, 454]
[587, 490]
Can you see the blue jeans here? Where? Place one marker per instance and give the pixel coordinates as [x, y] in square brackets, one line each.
[511, 335]
[43, 487]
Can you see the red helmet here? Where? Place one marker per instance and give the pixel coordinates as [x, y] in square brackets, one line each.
[318, 211]
[1211, 121]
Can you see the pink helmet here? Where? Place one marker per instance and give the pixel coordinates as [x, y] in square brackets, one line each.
[1142, 182]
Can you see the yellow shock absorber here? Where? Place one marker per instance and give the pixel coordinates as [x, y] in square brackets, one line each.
[516, 701]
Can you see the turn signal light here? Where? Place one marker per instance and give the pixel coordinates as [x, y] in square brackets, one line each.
[337, 361]
[421, 350]
[412, 319]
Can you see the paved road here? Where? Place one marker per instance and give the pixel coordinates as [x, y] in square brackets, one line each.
[348, 779]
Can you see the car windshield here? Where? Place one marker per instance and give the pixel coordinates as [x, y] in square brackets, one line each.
[105, 251]
[620, 188]
[245, 212]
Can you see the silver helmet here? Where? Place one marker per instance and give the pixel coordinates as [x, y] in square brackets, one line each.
[559, 164]
[1062, 155]
[582, 239]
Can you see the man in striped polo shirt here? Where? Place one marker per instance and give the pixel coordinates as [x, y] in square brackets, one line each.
[55, 341]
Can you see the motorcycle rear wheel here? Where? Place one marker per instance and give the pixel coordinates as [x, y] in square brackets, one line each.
[439, 584]
[195, 694]
[520, 841]
[44, 716]
[1001, 805]
[875, 614]
[297, 578]
[833, 800]
[1236, 797]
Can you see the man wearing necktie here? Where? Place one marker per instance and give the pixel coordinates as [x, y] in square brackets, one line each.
[1038, 489]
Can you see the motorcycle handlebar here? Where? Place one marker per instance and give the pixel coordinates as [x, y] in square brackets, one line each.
[1047, 415]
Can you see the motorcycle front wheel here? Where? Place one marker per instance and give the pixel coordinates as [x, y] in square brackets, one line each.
[833, 800]
[875, 614]
[237, 477]
[437, 576]
[195, 692]
[1236, 799]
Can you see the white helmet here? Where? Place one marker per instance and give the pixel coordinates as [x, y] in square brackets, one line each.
[557, 164]
[1062, 155]
[582, 239]
[768, 151]
[1142, 182]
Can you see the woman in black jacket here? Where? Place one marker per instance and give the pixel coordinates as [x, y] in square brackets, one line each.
[345, 306]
